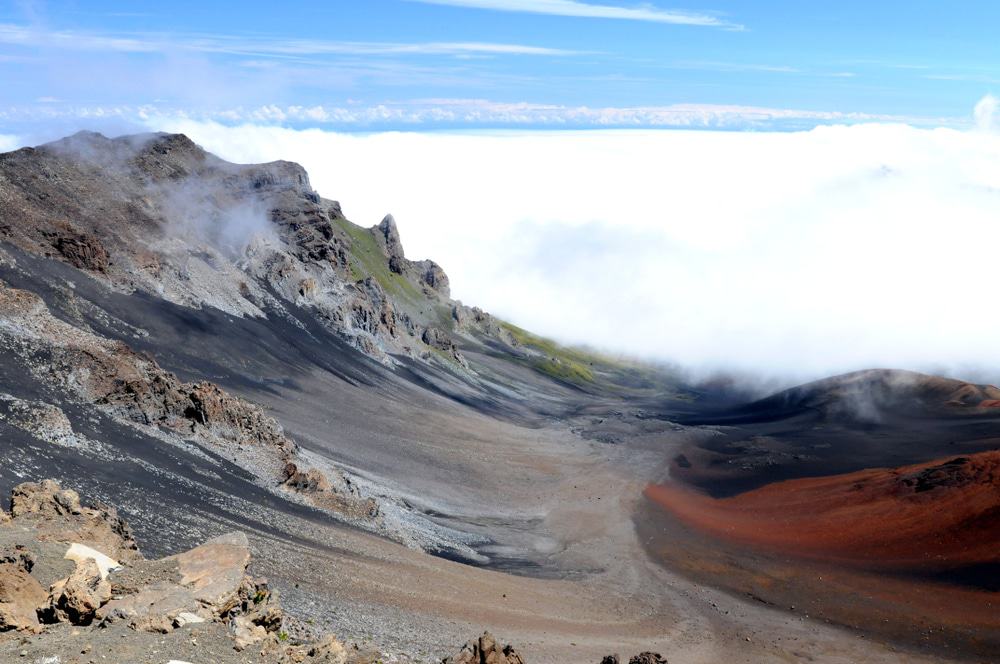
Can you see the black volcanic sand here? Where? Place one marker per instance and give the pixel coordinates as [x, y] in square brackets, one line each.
[756, 447]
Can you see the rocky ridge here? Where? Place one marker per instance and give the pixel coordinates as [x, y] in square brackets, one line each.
[252, 240]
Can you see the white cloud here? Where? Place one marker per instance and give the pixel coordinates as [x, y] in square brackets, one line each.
[985, 113]
[784, 254]
[643, 12]
[9, 142]
[143, 42]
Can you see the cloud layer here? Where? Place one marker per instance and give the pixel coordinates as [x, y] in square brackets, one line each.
[784, 255]
[453, 113]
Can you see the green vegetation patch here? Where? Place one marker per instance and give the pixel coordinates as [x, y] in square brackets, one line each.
[368, 260]
[581, 366]
[572, 372]
[568, 364]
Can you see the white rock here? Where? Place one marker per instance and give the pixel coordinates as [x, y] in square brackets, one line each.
[187, 618]
[80, 552]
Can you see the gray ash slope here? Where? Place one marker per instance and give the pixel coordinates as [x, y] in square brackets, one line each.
[243, 277]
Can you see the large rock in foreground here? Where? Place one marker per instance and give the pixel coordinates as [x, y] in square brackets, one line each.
[20, 597]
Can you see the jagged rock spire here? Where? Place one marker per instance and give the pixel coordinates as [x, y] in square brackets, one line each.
[393, 245]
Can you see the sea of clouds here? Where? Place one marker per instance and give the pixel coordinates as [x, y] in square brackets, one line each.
[784, 255]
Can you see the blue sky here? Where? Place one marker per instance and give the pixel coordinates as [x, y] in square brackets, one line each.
[471, 63]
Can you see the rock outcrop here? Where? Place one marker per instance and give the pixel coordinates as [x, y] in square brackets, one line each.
[342, 497]
[647, 658]
[391, 241]
[158, 214]
[207, 586]
[485, 650]
[21, 595]
[78, 597]
[56, 515]
[642, 658]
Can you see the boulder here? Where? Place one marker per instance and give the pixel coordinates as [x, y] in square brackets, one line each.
[77, 598]
[329, 651]
[437, 338]
[246, 633]
[20, 597]
[208, 581]
[57, 515]
[647, 658]
[45, 498]
[215, 570]
[610, 659]
[160, 600]
[256, 616]
[185, 618]
[485, 650]
[304, 480]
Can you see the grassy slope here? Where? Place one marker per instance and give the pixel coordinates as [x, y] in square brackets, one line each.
[367, 260]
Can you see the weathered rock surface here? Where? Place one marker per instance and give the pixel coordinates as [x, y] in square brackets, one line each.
[390, 237]
[647, 658]
[214, 571]
[485, 650]
[20, 597]
[204, 586]
[56, 515]
[77, 598]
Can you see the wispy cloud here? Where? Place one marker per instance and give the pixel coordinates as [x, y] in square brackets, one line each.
[734, 67]
[644, 12]
[144, 42]
[969, 78]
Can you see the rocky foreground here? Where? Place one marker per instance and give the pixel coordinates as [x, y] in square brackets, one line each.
[74, 587]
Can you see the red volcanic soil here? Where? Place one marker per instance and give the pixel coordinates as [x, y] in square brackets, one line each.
[931, 516]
